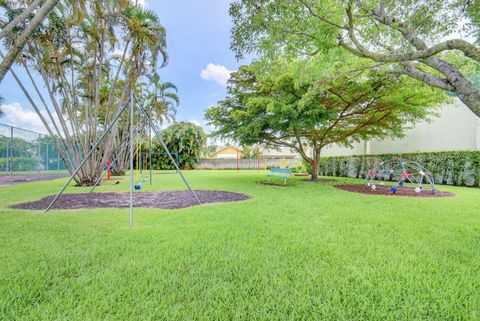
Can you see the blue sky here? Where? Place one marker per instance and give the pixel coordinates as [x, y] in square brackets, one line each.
[198, 38]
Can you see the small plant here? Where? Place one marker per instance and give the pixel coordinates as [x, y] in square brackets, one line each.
[298, 168]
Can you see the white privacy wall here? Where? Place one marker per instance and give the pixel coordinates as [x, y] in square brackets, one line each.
[457, 128]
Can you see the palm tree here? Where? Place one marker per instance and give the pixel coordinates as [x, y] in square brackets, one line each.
[71, 52]
[1, 101]
[160, 100]
[20, 41]
[21, 17]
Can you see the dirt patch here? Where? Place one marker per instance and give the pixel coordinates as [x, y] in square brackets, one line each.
[28, 178]
[164, 200]
[273, 184]
[320, 180]
[385, 190]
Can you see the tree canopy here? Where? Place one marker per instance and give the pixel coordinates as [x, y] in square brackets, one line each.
[308, 104]
[422, 39]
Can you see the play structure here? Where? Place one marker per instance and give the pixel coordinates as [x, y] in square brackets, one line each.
[141, 114]
[402, 173]
[145, 163]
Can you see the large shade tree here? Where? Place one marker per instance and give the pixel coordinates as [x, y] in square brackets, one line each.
[72, 55]
[420, 39]
[306, 106]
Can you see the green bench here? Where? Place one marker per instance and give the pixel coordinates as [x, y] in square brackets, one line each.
[282, 173]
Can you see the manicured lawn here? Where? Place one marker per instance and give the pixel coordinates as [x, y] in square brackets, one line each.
[303, 252]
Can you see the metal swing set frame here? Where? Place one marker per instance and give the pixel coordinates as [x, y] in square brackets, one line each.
[131, 147]
[150, 161]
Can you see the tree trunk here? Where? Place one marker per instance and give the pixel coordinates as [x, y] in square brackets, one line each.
[26, 34]
[462, 86]
[18, 19]
[119, 171]
[86, 181]
[314, 175]
[315, 162]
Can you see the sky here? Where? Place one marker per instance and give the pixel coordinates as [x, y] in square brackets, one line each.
[198, 40]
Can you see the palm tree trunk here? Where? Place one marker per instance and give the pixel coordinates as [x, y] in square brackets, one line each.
[26, 34]
[18, 19]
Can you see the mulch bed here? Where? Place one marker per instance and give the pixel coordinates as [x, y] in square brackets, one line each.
[28, 178]
[320, 180]
[301, 174]
[164, 200]
[385, 190]
[273, 184]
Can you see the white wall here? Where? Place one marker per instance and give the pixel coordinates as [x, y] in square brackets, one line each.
[335, 150]
[457, 128]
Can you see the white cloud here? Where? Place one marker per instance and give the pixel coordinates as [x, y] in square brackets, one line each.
[16, 115]
[217, 73]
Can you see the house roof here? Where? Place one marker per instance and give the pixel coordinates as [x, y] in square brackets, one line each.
[267, 152]
[221, 148]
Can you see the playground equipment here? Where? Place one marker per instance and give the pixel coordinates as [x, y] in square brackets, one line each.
[117, 116]
[401, 172]
[149, 160]
[138, 185]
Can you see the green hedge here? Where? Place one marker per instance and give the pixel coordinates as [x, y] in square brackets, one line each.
[450, 167]
[19, 164]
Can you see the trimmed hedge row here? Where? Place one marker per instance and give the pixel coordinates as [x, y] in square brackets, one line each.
[19, 164]
[460, 168]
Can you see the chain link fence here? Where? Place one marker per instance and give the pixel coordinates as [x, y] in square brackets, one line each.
[24, 151]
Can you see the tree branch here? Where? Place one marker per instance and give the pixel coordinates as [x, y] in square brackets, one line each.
[410, 70]
[422, 51]
[18, 19]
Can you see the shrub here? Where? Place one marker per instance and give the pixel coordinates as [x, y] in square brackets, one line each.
[448, 167]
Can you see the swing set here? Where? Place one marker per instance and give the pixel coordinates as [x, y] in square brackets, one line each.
[142, 163]
[131, 145]
[148, 160]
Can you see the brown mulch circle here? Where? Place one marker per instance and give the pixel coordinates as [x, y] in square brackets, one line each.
[320, 180]
[385, 190]
[164, 200]
[273, 184]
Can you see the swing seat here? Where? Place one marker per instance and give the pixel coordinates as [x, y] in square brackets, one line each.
[138, 186]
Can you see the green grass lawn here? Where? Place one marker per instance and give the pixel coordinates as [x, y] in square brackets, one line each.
[303, 252]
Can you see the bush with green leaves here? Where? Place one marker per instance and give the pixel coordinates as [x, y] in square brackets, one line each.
[184, 138]
[19, 164]
[447, 167]
[299, 168]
